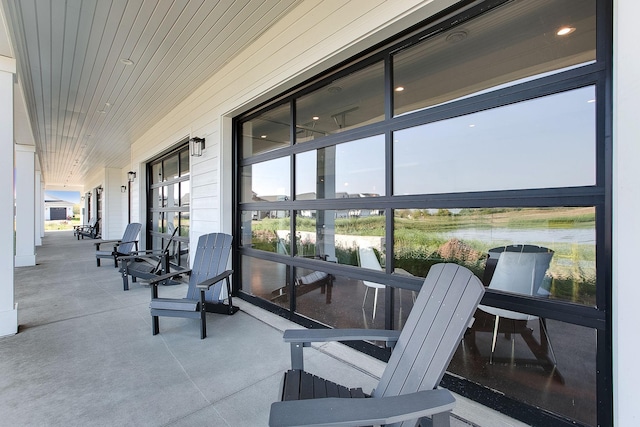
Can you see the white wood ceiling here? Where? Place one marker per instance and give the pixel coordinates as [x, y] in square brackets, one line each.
[86, 106]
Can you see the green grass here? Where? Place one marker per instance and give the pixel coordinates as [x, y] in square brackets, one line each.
[61, 224]
[419, 235]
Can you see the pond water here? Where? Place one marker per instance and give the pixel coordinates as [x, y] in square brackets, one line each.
[583, 236]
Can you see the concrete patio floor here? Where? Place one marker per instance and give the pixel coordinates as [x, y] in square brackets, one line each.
[84, 354]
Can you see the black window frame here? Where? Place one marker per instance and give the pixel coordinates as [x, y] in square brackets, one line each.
[150, 233]
[598, 74]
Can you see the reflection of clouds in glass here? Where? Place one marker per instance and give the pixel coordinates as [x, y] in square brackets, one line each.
[361, 164]
[542, 143]
[358, 168]
[271, 178]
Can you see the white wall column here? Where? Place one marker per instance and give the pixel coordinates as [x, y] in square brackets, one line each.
[25, 163]
[39, 208]
[626, 206]
[113, 221]
[8, 307]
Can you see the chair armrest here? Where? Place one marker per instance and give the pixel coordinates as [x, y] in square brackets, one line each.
[360, 412]
[162, 278]
[210, 282]
[102, 242]
[324, 335]
[140, 254]
[120, 242]
[300, 338]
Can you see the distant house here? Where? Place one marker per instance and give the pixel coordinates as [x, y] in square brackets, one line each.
[56, 209]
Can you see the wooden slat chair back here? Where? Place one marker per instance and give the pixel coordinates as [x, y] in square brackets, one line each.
[124, 246]
[83, 227]
[130, 238]
[205, 291]
[212, 255]
[147, 264]
[92, 230]
[439, 317]
[423, 349]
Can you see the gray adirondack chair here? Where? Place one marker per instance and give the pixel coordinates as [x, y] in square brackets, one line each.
[90, 230]
[205, 285]
[407, 389]
[124, 246]
[147, 264]
[83, 227]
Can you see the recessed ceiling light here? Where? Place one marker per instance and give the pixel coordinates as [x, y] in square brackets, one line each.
[334, 89]
[399, 88]
[315, 118]
[457, 36]
[565, 30]
[263, 136]
[126, 61]
[102, 112]
[591, 101]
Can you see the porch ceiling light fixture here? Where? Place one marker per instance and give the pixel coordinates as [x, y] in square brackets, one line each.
[131, 175]
[123, 188]
[565, 31]
[197, 145]
[99, 190]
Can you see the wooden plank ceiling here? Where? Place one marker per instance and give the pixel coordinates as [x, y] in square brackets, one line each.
[97, 74]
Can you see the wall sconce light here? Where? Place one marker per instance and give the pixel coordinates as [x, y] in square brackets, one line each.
[197, 145]
[82, 198]
[99, 190]
[123, 188]
[131, 175]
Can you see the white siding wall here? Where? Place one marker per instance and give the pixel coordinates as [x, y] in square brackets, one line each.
[626, 205]
[113, 221]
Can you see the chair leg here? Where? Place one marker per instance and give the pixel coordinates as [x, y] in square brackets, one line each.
[155, 324]
[442, 419]
[366, 290]
[203, 316]
[125, 278]
[543, 328]
[495, 336]
[375, 303]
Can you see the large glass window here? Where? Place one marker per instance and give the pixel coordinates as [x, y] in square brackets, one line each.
[168, 205]
[269, 131]
[351, 169]
[477, 140]
[266, 279]
[558, 259]
[544, 363]
[347, 102]
[523, 145]
[266, 181]
[511, 44]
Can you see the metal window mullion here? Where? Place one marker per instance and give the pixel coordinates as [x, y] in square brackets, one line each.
[292, 225]
[389, 291]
